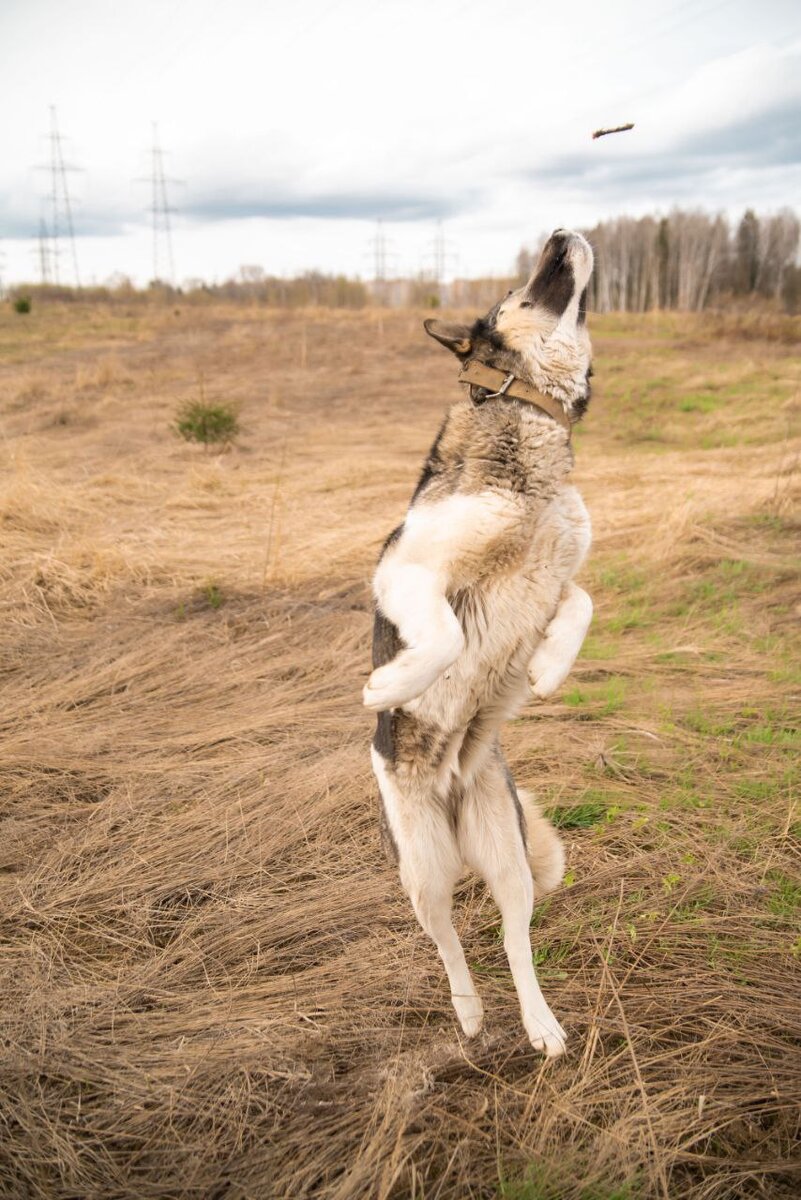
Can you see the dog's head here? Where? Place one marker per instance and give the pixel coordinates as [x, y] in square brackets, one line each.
[538, 332]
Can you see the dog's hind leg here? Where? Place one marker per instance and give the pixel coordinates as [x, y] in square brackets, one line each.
[546, 854]
[492, 843]
[430, 864]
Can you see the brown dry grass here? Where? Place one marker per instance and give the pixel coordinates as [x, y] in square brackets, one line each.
[211, 983]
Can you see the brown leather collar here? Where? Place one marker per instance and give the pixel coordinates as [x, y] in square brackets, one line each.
[501, 383]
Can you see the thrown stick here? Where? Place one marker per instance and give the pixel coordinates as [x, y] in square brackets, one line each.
[618, 129]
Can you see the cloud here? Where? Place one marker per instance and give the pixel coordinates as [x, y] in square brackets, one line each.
[235, 202]
[21, 217]
[239, 200]
[766, 138]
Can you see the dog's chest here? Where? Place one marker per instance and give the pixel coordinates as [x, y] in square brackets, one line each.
[505, 612]
[498, 446]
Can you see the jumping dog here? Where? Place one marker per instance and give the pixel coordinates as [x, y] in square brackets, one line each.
[476, 608]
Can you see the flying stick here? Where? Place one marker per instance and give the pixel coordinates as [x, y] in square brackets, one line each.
[618, 129]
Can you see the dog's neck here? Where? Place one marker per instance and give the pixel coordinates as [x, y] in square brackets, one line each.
[488, 382]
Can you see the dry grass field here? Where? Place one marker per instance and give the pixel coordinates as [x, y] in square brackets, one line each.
[212, 984]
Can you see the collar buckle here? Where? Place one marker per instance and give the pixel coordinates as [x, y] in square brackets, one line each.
[503, 389]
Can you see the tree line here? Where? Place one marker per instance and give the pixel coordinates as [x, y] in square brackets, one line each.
[686, 260]
[251, 285]
[690, 261]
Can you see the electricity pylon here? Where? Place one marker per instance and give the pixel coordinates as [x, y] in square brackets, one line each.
[380, 253]
[43, 251]
[160, 210]
[441, 256]
[60, 205]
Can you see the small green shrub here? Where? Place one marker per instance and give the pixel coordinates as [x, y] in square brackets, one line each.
[22, 304]
[200, 421]
[213, 595]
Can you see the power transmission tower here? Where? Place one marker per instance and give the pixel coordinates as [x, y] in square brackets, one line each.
[61, 224]
[44, 252]
[438, 249]
[380, 254]
[379, 245]
[160, 210]
[441, 255]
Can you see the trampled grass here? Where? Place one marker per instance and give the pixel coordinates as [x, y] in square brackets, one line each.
[212, 985]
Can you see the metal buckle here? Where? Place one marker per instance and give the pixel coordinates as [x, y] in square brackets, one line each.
[507, 383]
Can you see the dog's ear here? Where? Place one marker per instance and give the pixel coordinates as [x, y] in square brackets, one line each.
[454, 337]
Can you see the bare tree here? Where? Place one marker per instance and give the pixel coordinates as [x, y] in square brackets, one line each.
[686, 260]
[776, 250]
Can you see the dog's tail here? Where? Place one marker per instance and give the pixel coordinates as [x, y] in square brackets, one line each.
[546, 855]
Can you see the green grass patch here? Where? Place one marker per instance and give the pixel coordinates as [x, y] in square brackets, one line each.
[540, 1183]
[785, 899]
[708, 724]
[686, 798]
[600, 699]
[721, 440]
[717, 592]
[209, 424]
[771, 733]
[695, 907]
[598, 648]
[644, 434]
[767, 520]
[622, 577]
[632, 614]
[756, 789]
[788, 672]
[213, 596]
[703, 402]
[589, 812]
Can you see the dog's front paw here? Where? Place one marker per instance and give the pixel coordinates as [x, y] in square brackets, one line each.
[396, 684]
[549, 668]
[551, 662]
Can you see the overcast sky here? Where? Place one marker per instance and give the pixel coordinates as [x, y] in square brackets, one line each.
[296, 126]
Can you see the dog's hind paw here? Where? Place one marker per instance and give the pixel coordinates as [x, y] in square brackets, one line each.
[470, 1012]
[546, 1034]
